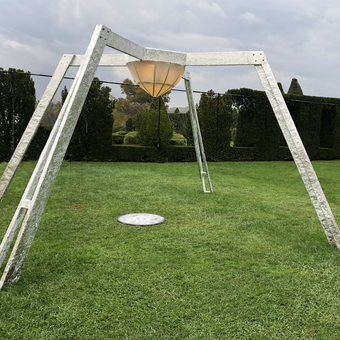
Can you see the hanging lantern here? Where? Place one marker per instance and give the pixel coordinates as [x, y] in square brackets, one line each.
[155, 77]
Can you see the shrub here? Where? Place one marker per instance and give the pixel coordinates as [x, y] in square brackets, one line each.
[295, 88]
[118, 128]
[179, 121]
[148, 127]
[92, 136]
[129, 125]
[131, 138]
[38, 143]
[137, 153]
[117, 138]
[178, 139]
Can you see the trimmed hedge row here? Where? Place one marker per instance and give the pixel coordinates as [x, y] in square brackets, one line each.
[317, 120]
[137, 153]
[38, 143]
[34, 150]
[258, 136]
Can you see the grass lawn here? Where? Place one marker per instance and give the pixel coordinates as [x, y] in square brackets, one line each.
[250, 261]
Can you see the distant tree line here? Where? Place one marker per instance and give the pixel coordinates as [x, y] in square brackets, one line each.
[92, 138]
[236, 125]
[241, 125]
[259, 137]
[17, 104]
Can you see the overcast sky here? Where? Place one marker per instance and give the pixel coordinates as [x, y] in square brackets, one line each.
[301, 39]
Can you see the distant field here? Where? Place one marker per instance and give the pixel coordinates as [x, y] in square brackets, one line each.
[249, 261]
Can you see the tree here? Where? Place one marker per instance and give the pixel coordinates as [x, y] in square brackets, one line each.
[129, 125]
[64, 94]
[295, 88]
[179, 121]
[136, 100]
[17, 104]
[188, 129]
[281, 88]
[134, 93]
[149, 127]
[92, 137]
[248, 105]
[51, 114]
[215, 118]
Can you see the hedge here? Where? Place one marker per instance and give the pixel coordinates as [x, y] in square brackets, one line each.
[257, 138]
[137, 153]
[317, 120]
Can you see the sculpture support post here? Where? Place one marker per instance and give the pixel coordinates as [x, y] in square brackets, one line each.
[196, 131]
[33, 124]
[33, 182]
[52, 159]
[299, 154]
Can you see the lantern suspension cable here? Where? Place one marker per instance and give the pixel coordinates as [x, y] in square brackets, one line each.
[159, 121]
[175, 90]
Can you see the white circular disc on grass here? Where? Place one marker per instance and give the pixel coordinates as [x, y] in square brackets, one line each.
[141, 219]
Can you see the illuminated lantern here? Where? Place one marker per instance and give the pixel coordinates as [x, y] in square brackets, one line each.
[156, 77]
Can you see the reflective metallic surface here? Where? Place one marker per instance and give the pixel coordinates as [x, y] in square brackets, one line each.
[141, 219]
[196, 132]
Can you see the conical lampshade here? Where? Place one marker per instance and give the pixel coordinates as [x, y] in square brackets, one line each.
[155, 77]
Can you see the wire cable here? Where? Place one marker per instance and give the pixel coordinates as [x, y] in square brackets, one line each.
[175, 90]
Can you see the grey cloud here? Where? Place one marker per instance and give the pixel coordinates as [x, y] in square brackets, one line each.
[300, 39]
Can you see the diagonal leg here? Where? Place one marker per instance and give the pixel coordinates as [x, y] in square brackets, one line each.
[299, 154]
[25, 202]
[11, 231]
[33, 182]
[199, 148]
[33, 124]
[54, 157]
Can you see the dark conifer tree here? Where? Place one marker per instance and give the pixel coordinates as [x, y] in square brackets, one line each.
[17, 104]
[129, 125]
[92, 137]
[215, 116]
[149, 127]
[295, 88]
[281, 88]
